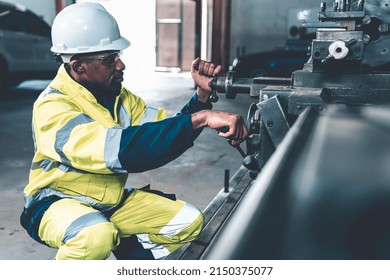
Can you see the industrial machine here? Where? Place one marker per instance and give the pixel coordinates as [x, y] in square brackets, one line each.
[315, 180]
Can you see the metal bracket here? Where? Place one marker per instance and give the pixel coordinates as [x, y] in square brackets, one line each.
[274, 119]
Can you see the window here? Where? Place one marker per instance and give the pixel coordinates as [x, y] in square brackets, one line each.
[34, 25]
[8, 20]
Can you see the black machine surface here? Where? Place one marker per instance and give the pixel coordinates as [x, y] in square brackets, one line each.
[280, 62]
[315, 180]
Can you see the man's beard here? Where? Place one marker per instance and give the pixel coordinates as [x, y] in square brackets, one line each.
[112, 89]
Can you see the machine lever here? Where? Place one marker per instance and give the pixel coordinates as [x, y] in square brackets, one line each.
[239, 149]
[249, 161]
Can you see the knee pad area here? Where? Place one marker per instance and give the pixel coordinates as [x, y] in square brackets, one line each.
[94, 243]
[181, 233]
[193, 230]
[195, 227]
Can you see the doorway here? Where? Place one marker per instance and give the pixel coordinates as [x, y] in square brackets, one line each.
[175, 35]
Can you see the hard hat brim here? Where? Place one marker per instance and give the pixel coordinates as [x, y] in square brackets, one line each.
[120, 44]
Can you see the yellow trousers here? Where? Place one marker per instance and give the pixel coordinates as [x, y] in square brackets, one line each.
[159, 224]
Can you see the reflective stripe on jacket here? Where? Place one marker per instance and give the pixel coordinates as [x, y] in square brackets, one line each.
[82, 151]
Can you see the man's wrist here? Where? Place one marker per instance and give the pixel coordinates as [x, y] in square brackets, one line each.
[198, 119]
[203, 95]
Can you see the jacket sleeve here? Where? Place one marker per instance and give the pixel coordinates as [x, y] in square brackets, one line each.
[67, 138]
[194, 105]
[154, 144]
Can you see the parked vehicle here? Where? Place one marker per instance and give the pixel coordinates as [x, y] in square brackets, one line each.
[25, 41]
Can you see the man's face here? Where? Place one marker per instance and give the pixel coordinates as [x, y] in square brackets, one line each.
[103, 72]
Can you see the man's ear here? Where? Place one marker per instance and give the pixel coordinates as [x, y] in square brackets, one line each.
[77, 66]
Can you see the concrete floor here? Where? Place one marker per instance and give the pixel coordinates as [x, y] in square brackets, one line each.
[197, 176]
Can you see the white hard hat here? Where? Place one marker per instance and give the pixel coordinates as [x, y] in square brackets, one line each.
[84, 28]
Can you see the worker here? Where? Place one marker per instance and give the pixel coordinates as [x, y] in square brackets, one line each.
[90, 132]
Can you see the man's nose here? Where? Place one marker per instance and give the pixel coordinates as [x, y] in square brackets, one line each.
[120, 65]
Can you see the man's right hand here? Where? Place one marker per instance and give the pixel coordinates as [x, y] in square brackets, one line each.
[230, 126]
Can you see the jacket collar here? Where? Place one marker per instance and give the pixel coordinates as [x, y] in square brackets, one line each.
[82, 97]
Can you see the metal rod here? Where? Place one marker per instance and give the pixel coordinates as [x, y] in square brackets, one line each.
[241, 151]
[226, 181]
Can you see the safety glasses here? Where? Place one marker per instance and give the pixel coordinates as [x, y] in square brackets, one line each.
[109, 59]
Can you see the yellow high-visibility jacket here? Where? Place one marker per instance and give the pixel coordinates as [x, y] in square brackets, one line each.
[84, 151]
